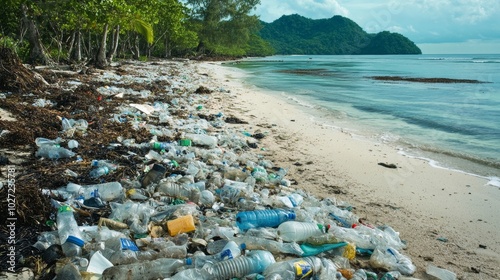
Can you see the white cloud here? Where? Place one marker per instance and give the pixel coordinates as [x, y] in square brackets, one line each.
[270, 10]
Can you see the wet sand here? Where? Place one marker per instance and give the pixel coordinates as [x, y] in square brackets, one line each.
[448, 219]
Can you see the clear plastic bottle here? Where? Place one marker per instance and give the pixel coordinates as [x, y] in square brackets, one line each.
[107, 191]
[301, 268]
[299, 231]
[99, 171]
[70, 235]
[54, 152]
[40, 141]
[440, 273]
[327, 238]
[155, 269]
[253, 262]
[263, 218]
[359, 274]
[275, 247]
[180, 191]
[202, 140]
[230, 251]
[119, 250]
[390, 259]
[101, 162]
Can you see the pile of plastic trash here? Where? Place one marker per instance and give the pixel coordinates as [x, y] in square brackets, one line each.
[205, 206]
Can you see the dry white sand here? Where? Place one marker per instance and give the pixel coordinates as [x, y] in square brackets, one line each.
[421, 202]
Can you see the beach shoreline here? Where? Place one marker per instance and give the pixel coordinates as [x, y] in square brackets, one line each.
[447, 217]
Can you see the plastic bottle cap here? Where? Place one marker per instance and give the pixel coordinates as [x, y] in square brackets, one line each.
[65, 208]
[243, 246]
[292, 215]
[189, 261]
[75, 240]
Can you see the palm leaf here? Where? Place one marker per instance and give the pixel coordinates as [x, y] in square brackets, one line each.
[143, 28]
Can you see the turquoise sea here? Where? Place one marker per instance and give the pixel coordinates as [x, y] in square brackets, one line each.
[453, 125]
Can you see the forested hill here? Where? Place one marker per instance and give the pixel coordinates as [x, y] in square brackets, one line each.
[295, 34]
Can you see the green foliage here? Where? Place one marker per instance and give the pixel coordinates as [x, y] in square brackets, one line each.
[224, 26]
[295, 34]
[143, 28]
[20, 48]
[391, 43]
[258, 46]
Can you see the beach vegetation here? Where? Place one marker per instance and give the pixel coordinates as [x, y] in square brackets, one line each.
[98, 32]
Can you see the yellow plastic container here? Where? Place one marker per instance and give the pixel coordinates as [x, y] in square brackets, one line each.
[181, 225]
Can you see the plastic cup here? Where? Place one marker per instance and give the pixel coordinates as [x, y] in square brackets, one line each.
[98, 263]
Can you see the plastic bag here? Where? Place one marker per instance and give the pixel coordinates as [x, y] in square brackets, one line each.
[390, 259]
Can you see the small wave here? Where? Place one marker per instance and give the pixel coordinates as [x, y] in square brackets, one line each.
[494, 181]
[298, 101]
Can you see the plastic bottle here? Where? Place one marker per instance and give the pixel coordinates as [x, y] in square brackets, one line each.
[359, 274]
[230, 251]
[440, 273]
[299, 231]
[99, 171]
[156, 269]
[263, 218]
[327, 238]
[107, 191]
[202, 140]
[390, 259]
[180, 191]
[161, 146]
[154, 175]
[391, 275]
[310, 250]
[301, 268]
[70, 235]
[275, 247]
[40, 141]
[102, 163]
[119, 250]
[292, 200]
[254, 262]
[54, 152]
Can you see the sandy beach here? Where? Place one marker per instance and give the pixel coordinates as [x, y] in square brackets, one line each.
[448, 218]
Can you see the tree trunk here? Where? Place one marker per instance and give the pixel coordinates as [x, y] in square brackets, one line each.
[114, 43]
[168, 52]
[37, 53]
[137, 52]
[101, 61]
[77, 54]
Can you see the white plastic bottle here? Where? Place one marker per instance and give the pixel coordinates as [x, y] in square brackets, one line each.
[70, 235]
[299, 231]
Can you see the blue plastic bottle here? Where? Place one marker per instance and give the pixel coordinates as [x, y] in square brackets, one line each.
[263, 218]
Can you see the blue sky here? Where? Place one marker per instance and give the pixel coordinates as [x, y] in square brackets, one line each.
[436, 26]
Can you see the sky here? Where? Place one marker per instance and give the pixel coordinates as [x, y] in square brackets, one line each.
[436, 26]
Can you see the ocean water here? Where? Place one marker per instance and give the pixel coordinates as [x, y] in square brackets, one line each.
[453, 125]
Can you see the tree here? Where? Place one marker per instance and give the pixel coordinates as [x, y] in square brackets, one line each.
[224, 26]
